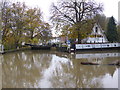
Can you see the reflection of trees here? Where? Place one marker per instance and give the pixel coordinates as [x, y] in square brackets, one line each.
[23, 69]
[80, 76]
[85, 75]
[1, 58]
[29, 68]
[75, 75]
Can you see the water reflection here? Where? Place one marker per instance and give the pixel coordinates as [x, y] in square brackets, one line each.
[1, 58]
[54, 68]
[97, 55]
[43, 69]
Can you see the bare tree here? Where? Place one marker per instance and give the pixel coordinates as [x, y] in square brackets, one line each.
[5, 16]
[74, 12]
[0, 24]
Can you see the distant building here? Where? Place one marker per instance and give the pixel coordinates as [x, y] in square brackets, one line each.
[97, 35]
[63, 39]
[55, 40]
[60, 39]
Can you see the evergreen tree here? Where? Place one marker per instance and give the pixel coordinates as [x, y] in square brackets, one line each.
[111, 32]
[118, 30]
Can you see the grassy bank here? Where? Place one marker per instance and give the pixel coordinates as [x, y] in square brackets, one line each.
[14, 50]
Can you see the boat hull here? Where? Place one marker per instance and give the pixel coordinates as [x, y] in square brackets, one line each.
[99, 49]
[38, 47]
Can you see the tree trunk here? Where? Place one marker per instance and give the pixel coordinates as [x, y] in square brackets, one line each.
[79, 40]
[16, 44]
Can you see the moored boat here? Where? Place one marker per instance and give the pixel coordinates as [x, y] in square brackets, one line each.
[102, 46]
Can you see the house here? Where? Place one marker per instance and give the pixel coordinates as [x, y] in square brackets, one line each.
[63, 38]
[60, 39]
[97, 35]
[55, 40]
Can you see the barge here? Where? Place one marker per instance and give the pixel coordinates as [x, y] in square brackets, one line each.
[40, 47]
[100, 46]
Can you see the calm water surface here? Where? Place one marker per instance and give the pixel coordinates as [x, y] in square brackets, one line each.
[52, 69]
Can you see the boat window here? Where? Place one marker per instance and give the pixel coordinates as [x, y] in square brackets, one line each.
[88, 45]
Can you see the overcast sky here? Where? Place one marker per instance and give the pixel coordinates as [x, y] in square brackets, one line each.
[110, 6]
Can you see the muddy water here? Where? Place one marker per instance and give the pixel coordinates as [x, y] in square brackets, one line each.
[0, 72]
[52, 69]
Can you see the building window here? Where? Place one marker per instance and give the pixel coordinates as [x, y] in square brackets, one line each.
[96, 29]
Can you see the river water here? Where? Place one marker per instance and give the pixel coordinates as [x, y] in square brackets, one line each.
[52, 69]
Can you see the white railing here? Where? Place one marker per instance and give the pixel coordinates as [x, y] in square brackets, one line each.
[91, 46]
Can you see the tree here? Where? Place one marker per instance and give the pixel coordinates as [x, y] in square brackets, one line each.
[111, 32]
[102, 20]
[21, 24]
[5, 17]
[83, 30]
[33, 20]
[0, 25]
[71, 12]
[46, 33]
[118, 30]
[36, 29]
[17, 23]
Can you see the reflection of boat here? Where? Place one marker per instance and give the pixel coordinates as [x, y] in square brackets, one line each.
[91, 63]
[97, 55]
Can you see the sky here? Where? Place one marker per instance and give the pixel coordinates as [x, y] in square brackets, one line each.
[110, 7]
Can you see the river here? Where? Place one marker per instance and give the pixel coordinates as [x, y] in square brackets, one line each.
[52, 69]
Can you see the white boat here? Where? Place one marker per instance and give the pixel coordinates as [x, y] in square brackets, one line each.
[97, 46]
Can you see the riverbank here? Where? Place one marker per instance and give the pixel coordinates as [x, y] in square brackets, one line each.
[14, 50]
